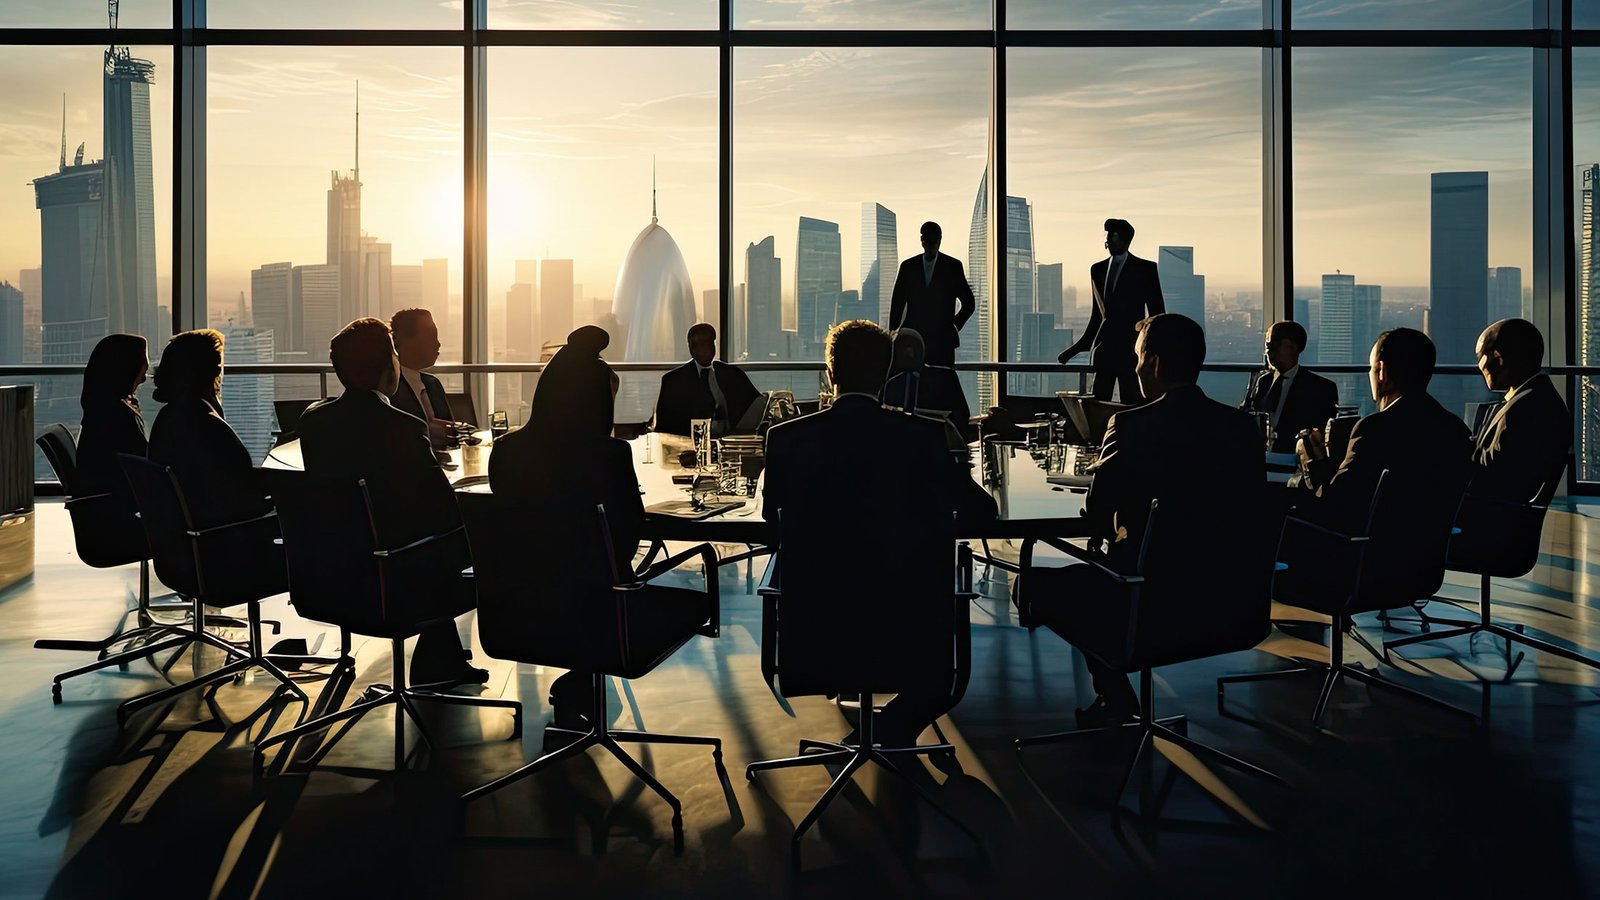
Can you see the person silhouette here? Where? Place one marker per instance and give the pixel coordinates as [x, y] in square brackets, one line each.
[1126, 289]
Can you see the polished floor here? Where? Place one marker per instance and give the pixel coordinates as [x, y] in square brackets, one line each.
[1394, 798]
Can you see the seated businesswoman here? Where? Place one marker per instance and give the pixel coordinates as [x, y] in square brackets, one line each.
[112, 421]
[560, 464]
[191, 437]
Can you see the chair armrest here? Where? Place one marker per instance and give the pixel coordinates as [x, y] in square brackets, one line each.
[418, 544]
[705, 551]
[87, 497]
[1326, 532]
[771, 579]
[218, 529]
[708, 558]
[1084, 556]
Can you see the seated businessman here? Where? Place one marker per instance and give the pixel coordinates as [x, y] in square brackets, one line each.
[704, 388]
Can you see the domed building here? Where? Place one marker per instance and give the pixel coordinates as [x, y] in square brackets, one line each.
[653, 307]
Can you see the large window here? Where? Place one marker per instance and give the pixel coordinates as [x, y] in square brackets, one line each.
[530, 166]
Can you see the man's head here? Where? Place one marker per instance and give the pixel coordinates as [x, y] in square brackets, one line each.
[1510, 352]
[1168, 353]
[1285, 342]
[363, 357]
[932, 234]
[702, 343]
[416, 338]
[1402, 362]
[1119, 234]
[858, 355]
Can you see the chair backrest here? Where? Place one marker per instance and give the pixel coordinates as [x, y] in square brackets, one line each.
[462, 409]
[164, 515]
[61, 451]
[328, 542]
[1408, 538]
[288, 414]
[1202, 597]
[545, 583]
[868, 598]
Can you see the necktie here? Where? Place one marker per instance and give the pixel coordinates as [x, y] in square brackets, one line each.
[706, 394]
[1113, 270]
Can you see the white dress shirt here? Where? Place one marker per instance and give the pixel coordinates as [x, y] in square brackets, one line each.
[413, 380]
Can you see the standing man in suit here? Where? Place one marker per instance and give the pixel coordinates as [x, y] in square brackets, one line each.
[1293, 398]
[1126, 290]
[703, 388]
[361, 435]
[882, 470]
[416, 340]
[932, 296]
[1201, 460]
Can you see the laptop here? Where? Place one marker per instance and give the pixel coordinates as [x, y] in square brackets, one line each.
[1087, 417]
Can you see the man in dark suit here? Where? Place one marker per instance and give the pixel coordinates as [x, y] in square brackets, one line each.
[1520, 445]
[1126, 290]
[704, 388]
[931, 295]
[1293, 398]
[860, 461]
[1199, 458]
[1425, 449]
[360, 435]
[416, 341]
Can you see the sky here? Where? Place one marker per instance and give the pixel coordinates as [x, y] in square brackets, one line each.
[1167, 138]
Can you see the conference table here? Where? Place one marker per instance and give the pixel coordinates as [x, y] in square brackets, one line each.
[1029, 505]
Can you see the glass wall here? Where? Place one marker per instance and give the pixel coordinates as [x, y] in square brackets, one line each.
[770, 161]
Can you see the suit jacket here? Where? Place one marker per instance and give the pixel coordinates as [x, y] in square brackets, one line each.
[211, 463]
[1426, 449]
[573, 475]
[1200, 458]
[109, 429]
[1521, 450]
[1109, 336]
[406, 400]
[1310, 404]
[360, 435]
[937, 309]
[682, 399]
[853, 448]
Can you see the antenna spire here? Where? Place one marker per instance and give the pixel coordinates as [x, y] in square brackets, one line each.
[63, 132]
[358, 132]
[652, 189]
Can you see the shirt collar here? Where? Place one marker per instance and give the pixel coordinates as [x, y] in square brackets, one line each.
[1120, 259]
[1523, 386]
[382, 396]
[1286, 376]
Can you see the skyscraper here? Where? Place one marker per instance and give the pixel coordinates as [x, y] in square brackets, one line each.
[436, 296]
[851, 306]
[129, 198]
[711, 309]
[247, 399]
[315, 292]
[377, 285]
[1458, 289]
[555, 300]
[1183, 291]
[763, 283]
[1365, 320]
[344, 241]
[73, 280]
[1051, 299]
[880, 259]
[1505, 292]
[817, 283]
[32, 313]
[405, 283]
[1336, 324]
[1589, 321]
[10, 324]
[1019, 278]
[273, 309]
[980, 388]
[521, 341]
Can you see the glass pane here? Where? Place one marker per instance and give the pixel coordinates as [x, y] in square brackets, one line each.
[602, 207]
[839, 156]
[307, 228]
[886, 14]
[1421, 14]
[1136, 15]
[1586, 234]
[597, 14]
[1412, 196]
[321, 14]
[1585, 14]
[86, 13]
[86, 186]
[1173, 147]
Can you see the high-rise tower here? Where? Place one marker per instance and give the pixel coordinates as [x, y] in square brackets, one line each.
[1458, 286]
[880, 259]
[344, 231]
[817, 283]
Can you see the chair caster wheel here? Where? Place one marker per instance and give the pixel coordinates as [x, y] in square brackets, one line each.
[55, 693]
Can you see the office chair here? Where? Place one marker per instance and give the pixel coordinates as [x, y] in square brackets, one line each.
[238, 563]
[354, 568]
[1398, 556]
[462, 409]
[834, 624]
[1185, 601]
[551, 593]
[107, 535]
